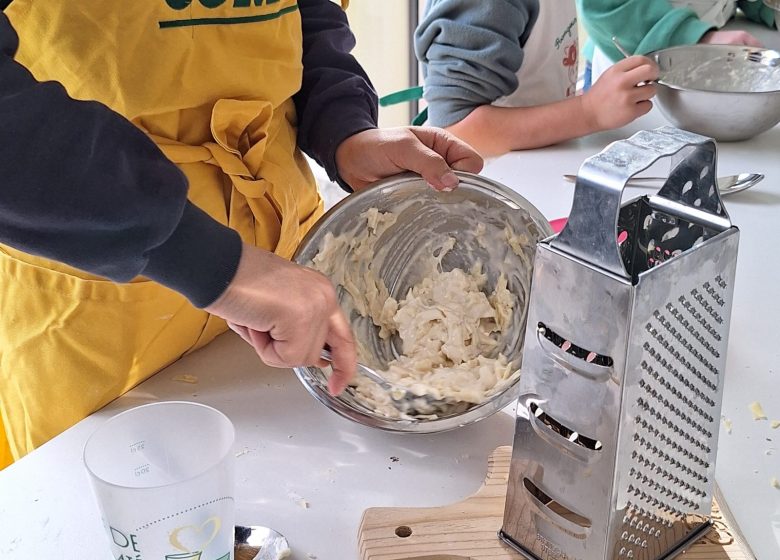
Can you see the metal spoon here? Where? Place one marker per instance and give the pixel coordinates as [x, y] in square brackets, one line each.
[365, 370]
[727, 185]
[627, 54]
[260, 543]
[403, 399]
[767, 58]
[619, 47]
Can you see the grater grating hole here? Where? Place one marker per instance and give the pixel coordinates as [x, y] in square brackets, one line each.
[656, 255]
[678, 376]
[702, 301]
[655, 432]
[677, 395]
[675, 410]
[640, 525]
[666, 343]
[701, 308]
[571, 348]
[654, 395]
[691, 331]
[677, 355]
[713, 293]
[554, 506]
[667, 474]
[670, 425]
[677, 314]
[654, 502]
[653, 464]
[647, 480]
[562, 430]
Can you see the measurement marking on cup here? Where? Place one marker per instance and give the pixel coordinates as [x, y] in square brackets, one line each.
[193, 508]
[142, 470]
[137, 446]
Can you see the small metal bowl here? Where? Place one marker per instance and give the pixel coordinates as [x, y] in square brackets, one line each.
[725, 92]
[425, 215]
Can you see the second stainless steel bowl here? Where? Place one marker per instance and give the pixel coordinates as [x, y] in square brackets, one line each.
[424, 216]
[726, 92]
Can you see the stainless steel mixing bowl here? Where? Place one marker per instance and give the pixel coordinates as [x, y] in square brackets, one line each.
[427, 215]
[722, 91]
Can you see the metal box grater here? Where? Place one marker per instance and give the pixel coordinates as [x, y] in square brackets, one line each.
[625, 348]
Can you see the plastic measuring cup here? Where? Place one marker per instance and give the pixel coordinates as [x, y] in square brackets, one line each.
[163, 475]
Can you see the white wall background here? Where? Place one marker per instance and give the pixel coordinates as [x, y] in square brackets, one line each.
[383, 42]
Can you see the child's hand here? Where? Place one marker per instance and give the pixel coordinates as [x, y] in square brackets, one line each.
[621, 94]
[431, 152]
[730, 38]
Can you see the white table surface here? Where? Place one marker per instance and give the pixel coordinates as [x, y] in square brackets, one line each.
[290, 446]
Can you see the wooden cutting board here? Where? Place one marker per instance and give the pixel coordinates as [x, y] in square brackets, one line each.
[468, 530]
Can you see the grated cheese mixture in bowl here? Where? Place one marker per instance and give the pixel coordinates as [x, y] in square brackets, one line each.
[435, 286]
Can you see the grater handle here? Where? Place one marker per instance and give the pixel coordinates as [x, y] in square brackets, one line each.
[690, 191]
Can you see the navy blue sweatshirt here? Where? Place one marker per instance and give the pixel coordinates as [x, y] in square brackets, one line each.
[82, 185]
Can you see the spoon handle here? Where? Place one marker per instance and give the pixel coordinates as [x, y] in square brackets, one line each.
[726, 185]
[633, 181]
[619, 47]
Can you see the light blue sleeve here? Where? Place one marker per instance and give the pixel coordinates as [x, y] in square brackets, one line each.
[471, 51]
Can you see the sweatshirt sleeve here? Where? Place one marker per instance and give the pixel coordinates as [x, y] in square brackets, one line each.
[84, 186]
[759, 12]
[336, 99]
[471, 52]
[641, 26]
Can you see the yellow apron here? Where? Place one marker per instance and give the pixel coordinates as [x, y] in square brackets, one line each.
[211, 82]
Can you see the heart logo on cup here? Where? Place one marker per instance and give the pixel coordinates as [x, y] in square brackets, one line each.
[193, 537]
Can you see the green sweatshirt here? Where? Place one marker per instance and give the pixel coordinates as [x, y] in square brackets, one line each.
[643, 26]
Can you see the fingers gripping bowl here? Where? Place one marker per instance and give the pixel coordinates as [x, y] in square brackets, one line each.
[399, 242]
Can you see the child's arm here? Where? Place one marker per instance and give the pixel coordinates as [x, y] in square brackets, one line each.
[336, 99]
[337, 114]
[615, 100]
[471, 52]
[83, 185]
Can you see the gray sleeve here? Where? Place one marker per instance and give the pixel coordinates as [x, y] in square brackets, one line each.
[471, 51]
